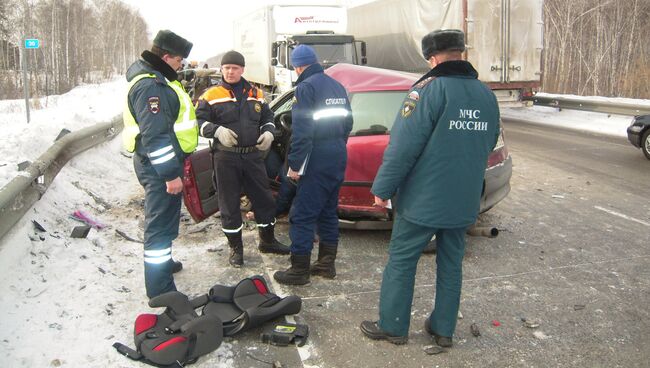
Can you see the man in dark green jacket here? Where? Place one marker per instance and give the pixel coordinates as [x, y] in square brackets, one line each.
[433, 170]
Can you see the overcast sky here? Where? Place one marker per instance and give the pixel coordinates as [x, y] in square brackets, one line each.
[208, 24]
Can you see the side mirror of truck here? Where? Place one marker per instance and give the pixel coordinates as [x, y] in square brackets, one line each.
[274, 61]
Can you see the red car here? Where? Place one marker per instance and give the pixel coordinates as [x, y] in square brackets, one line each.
[376, 96]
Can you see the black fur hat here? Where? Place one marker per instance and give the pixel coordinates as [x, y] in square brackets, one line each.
[233, 57]
[175, 44]
[442, 40]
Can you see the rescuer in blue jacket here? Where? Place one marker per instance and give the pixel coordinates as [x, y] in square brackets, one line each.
[321, 123]
[433, 167]
[160, 128]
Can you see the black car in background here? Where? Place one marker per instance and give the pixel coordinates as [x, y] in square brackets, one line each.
[638, 133]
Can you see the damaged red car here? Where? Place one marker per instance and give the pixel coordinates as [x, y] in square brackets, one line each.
[376, 96]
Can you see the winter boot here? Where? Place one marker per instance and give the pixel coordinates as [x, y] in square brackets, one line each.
[268, 242]
[236, 249]
[324, 266]
[297, 274]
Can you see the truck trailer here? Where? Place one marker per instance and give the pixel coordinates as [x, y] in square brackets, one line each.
[267, 36]
[504, 38]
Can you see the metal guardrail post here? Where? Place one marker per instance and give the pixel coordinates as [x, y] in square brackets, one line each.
[571, 103]
[18, 196]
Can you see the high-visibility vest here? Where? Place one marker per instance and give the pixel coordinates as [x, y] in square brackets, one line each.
[185, 126]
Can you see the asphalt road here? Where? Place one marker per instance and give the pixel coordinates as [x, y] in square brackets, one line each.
[573, 255]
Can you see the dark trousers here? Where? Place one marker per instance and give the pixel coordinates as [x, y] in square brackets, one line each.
[237, 172]
[406, 245]
[317, 197]
[162, 215]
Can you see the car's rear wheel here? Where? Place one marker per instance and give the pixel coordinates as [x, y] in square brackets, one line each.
[645, 143]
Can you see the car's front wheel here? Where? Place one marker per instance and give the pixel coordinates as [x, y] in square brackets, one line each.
[645, 143]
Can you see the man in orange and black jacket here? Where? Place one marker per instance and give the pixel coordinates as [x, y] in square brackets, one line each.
[235, 114]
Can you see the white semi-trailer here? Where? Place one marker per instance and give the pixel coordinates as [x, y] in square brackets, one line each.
[267, 36]
[504, 38]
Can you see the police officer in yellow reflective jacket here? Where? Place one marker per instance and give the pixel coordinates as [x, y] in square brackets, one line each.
[433, 167]
[160, 129]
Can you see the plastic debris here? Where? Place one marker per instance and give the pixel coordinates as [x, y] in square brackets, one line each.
[38, 226]
[433, 350]
[86, 219]
[286, 333]
[558, 196]
[496, 323]
[474, 330]
[460, 315]
[80, 231]
[22, 166]
[529, 323]
[125, 236]
[578, 307]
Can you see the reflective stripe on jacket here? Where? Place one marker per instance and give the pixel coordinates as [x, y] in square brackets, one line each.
[185, 126]
[218, 106]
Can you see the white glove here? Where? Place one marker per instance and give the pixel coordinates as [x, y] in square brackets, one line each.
[226, 136]
[264, 141]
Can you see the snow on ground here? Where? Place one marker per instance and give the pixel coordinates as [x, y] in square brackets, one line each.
[65, 301]
[608, 124]
[81, 107]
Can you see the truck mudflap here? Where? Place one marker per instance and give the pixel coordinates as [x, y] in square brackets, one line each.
[199, 190]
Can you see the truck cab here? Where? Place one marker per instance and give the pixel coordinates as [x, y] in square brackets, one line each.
[331, 49]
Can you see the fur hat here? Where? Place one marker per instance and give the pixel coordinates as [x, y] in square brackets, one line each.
[303, 55]
[442, 40]
[175, 44]
[233, 57]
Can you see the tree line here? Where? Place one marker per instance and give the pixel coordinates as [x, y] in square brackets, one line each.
[591, 47]
[597, 47]
[81, 41]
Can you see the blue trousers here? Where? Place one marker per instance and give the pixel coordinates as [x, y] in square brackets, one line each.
[406, 245]
[162, 216]
[317, 198]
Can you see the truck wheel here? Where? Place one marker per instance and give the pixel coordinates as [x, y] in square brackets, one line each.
[645, 143]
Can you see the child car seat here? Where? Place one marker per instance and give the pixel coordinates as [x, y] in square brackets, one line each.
[247, 304]
[176, 337]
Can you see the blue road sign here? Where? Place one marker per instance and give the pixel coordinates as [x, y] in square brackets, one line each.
[31, 43]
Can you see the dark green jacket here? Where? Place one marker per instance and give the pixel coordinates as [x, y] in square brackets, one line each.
[439, 146]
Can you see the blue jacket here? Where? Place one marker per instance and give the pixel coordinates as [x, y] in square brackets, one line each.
[439, 146]
[156, 122]
[321, 114]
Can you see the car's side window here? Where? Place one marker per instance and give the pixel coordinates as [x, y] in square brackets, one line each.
[285, 104]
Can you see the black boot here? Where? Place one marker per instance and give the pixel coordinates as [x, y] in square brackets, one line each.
[268, 242]
[178, 266]
[236, 249]
[324, 266]
[297, 274]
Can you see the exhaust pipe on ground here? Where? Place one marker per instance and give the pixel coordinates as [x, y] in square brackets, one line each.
[487, 231]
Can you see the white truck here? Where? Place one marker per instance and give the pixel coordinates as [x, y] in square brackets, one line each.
[504, 38]
[267, 35]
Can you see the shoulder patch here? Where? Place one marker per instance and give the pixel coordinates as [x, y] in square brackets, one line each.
[154, 104]
[424, 82]
[414, 95]
[408, 108]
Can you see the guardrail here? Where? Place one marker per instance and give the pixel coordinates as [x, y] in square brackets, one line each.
[573, 103]
[18, 196]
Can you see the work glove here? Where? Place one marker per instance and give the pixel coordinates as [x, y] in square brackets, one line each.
[264, 141]
[226, 136]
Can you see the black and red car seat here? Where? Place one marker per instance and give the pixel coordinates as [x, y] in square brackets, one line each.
[247, 304]
[176, 337]
[179, 336]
